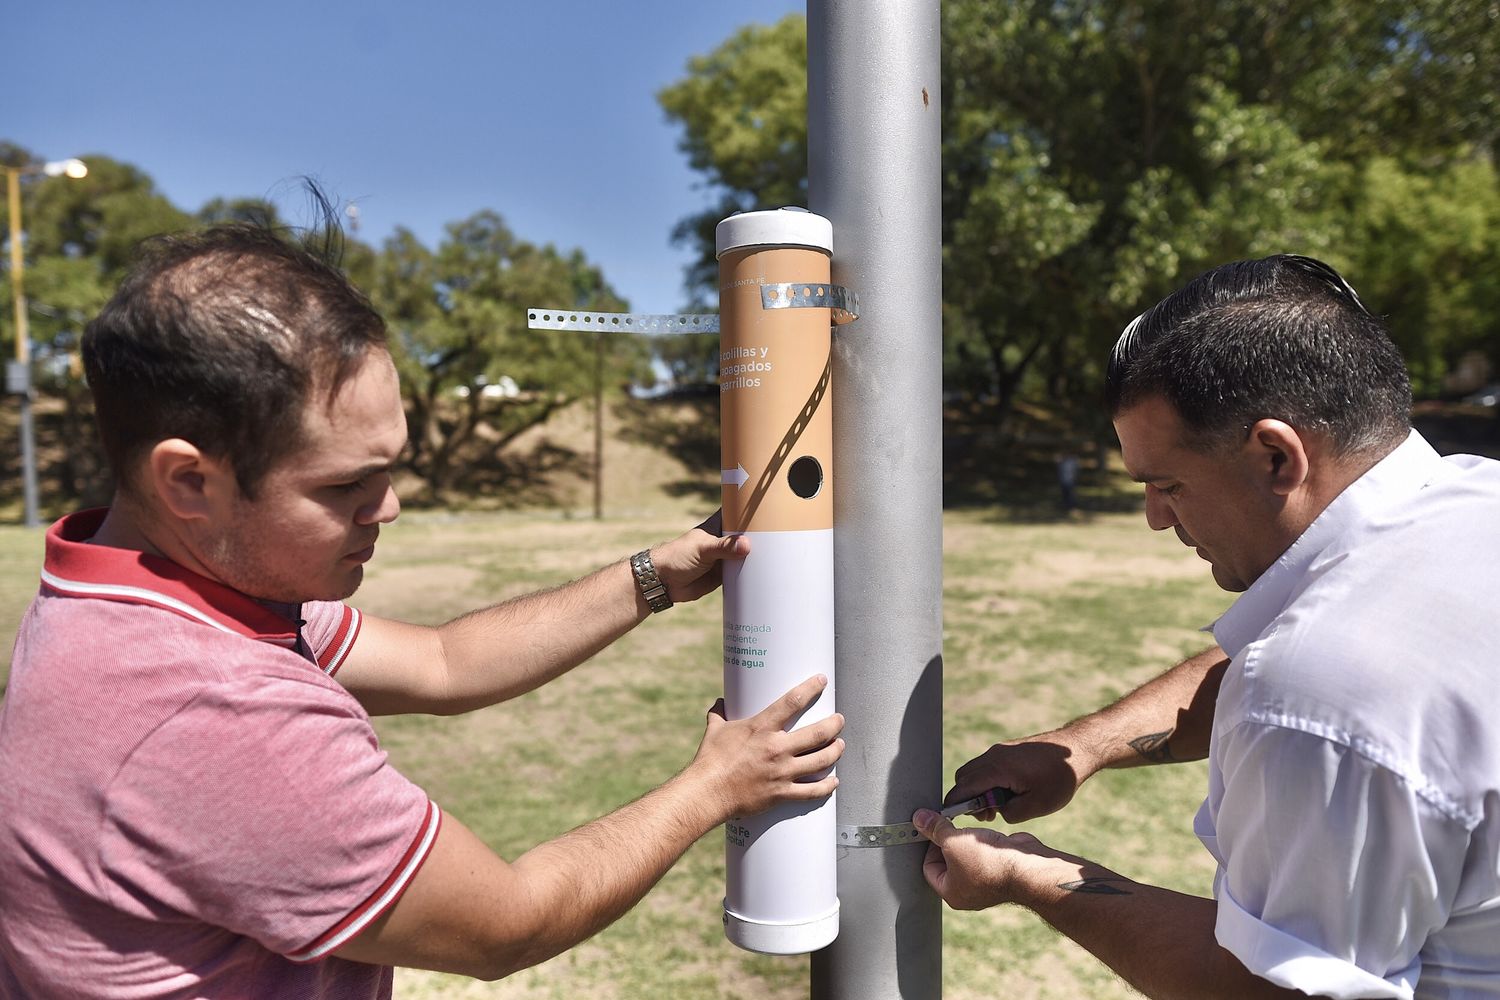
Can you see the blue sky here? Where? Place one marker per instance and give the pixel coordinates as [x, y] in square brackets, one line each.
[420, 114]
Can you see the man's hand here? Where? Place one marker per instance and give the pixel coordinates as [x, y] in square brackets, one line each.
[1043, 771]
[751, 764]
[691, 564]
[1159, 941]
[973, 868]
[468, 911]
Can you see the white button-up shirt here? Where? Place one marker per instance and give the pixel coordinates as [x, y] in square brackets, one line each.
[1354, 769]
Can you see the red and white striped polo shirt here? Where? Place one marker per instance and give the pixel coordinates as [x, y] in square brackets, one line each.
[190, 805]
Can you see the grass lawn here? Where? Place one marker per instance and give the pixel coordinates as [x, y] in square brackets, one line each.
[1043, 621]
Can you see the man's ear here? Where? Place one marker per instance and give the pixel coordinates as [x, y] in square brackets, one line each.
[1278, 456]
[190, 484]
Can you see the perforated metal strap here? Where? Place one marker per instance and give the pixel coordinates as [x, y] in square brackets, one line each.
[844, 304]
[890, 835]
[893, 834]
[615, 322]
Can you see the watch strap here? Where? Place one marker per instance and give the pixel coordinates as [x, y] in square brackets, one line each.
[650, 584]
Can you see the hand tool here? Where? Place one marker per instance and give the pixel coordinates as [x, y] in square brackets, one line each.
[905, 833]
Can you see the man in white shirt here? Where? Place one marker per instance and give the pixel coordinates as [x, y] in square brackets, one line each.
[1348, 711]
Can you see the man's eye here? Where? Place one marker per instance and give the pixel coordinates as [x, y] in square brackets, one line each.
[353, 487]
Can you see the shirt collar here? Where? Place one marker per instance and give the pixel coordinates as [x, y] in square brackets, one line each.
[1411, 466]
[74, 568]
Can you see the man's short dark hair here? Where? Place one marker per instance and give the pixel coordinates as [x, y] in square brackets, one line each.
[219, 337]
[1284, 337]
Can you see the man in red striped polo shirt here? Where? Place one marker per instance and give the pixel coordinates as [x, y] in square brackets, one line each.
[192, 799]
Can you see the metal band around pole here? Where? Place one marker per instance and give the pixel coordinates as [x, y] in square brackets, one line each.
[889, 835]
[788, 295]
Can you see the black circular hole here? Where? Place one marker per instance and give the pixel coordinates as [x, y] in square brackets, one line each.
[805, 477]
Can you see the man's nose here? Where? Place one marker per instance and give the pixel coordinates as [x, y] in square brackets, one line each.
[382, 511]
[1159, 513]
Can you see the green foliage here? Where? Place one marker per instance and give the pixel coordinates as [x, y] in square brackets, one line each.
[458, 325]
[100, 217]
[456, 315]
[1097, 155]
[743, 109]
[1425, 247]
[254, 211]
[79, 236]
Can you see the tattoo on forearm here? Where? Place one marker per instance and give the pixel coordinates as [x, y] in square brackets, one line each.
[1155, 747]
[1099, 885]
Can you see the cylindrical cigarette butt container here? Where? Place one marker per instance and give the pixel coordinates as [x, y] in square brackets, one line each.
[775, 408]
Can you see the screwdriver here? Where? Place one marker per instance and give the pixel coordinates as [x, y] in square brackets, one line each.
[995, 798]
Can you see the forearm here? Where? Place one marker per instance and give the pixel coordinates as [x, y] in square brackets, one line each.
[469, 912]
[499, 652]
[1161, 942]
[586, 879]
[502, 651]
[1165, 720]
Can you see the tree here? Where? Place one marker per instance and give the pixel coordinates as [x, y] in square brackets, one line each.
[458, 324]
[1117, 149]
[473, 376]
[743, 109]
[253, 211]
[1425, 245]
[1095, 155]
[79, 237]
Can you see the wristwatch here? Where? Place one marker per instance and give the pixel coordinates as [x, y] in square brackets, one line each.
[652, 589]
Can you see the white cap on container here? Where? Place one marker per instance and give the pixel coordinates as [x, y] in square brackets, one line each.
[781, 227]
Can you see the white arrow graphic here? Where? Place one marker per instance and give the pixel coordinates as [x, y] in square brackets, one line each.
[735, 476]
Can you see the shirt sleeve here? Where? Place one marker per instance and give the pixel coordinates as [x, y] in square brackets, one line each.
[266, 807]
[329, 629]
[1333, 871]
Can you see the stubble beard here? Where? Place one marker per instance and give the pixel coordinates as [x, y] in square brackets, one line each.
[240, 561]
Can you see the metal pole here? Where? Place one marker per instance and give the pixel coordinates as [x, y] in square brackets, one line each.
[23, 347]
[874, 170]
[599, 426]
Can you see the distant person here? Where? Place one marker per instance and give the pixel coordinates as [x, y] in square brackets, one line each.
[1067, 480]
[193, 802]
[1349, 711]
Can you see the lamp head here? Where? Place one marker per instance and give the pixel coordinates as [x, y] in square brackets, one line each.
[73, 168]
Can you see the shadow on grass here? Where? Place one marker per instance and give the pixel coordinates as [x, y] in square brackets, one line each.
[1012, 468]
[684, 424]
[1012, 471]
[502, 480]
[1453, 428]
[1005, 468]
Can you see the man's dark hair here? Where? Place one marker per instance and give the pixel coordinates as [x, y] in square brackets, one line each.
[220, 337]
[1284, 337]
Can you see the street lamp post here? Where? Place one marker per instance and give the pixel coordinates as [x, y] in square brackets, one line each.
[18, 372]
